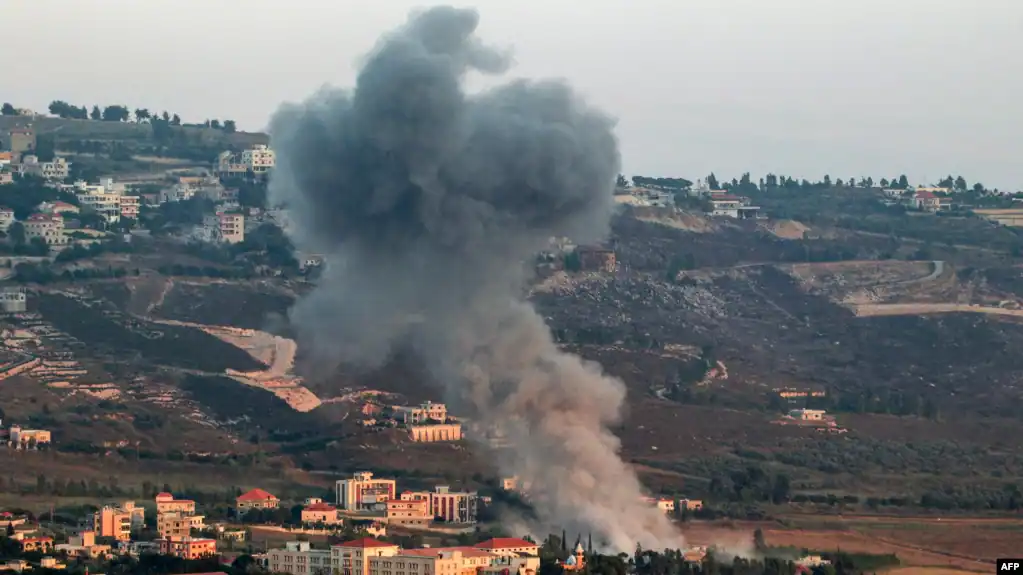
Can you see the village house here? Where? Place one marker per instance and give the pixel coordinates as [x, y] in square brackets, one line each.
[320, 512]
[55, 170]
[409, 512]
[257, 160]
[38, 544]
[6, 219]
[83, 545]
[27, 438]
[57, 207]
[6, 177]
[223, 227]
[256, 499]
[596, 258]
[927, 200]
[421, 413]
[48, 227]
[362, 491]
[188, 547]
[173, 524]
[807, 414]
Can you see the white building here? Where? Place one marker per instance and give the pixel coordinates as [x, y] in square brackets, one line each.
[299, 558]
[452, 506]
[49, 227]
[58, 169]
[807, 414]
[362, 491]
[13, 300]
[6, 219]
[103, 198]
[259, 159]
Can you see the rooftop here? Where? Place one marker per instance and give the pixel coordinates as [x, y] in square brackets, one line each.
[256, 495]
[320, 507]
[504, 543]
[433, 552]
[365, 542]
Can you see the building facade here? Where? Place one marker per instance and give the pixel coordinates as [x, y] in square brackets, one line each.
[170, 525]
[120, 521]
[446, 505]
[320, 512]
[431, 433]
[363, 492]
[166, 503]
[409, 512]
[23, 438]
[48, 227]
[13, 300]
[256, 499]
[299, 558]
[188, 547]
[422, 413]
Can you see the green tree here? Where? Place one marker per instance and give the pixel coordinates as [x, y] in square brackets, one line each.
[16, 233]
[621, 182]
[175, 120]
[903, 182]
[8, 110]
[960, 184]
[712, 182]
[229, 126]
[215, 124]
[96, 114]
[116, 113]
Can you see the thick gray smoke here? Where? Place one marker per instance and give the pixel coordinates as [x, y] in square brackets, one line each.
[429, 205]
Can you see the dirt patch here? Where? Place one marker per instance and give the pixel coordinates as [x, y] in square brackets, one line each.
[673, 218]
[786, 229]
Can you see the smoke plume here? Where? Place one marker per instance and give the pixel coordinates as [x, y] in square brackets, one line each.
[429, 205]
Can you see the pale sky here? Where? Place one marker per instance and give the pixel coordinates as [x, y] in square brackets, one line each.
[797, 87]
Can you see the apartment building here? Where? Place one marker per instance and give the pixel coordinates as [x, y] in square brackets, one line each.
[120, 521]
[409, 512]
[130, 207]
[223, 227]
[363, 492]
[509, 546]
[166, 503]
[320, 512]
[258, 160]
[422, 413]
[299, 558]
[48, 227]
[6, 177]
[256, 499]
[83, 545]
[55, 170]
[353, 557]
[450, 506]
[441, 560]
[188, 547]
[170, 525]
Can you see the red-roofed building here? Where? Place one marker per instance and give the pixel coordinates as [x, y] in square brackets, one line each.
[256, 499]
[324, 513]
[508, 546]
[927, 200]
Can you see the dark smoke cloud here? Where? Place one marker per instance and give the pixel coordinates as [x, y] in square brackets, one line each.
[429, 204]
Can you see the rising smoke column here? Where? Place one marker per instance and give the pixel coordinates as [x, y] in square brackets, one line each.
[429, 205]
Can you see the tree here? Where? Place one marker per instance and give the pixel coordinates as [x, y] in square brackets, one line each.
[165, 116]
[215, 124]
[141, 115]
[229, 126]
[884, 183]
[712, 182]
[175, 120]
[16, 233]
[8, 110]
[827, 181]
[621, 182]
[96, 114]
[116, 113]
[758, 540]
[960, 184]
[978, 187]
[903, 182]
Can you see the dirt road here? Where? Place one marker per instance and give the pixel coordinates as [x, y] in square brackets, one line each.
[881, 309]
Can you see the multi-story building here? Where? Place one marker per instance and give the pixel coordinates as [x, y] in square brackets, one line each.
[188, 547]
[450, 506]
[223, 227]
[6, 219]
[353, 557]
[58, 207]
[257, 160]
[320, 512]
[6, 177]
[130, 207]
[256, 499]
[299, 558]
[431, 433]
[58, 169]
[441, 560]
[509, 546]
[83, 545]
[48, 227]
[363, 492]
[23, 438]
[39, 544]
[409, 512]
[119, 522]
[166, 503]
[177, 524]
[422, 413]
[103, 198]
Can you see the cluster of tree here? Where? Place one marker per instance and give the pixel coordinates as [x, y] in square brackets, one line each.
[121, 113]
[750, 484]
[667, 184]
[27, 272]
[8, 109]
[881, 400]
[77, 251]
[27, 192]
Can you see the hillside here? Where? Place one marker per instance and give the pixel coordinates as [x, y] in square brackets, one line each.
[703, 320]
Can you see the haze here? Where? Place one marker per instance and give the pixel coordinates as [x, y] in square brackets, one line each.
[799, 87]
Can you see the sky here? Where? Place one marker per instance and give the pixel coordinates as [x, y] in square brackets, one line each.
[795, 87]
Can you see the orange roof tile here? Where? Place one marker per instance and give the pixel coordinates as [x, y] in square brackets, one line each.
[504, 543]
[256, 495]
[365, 542]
